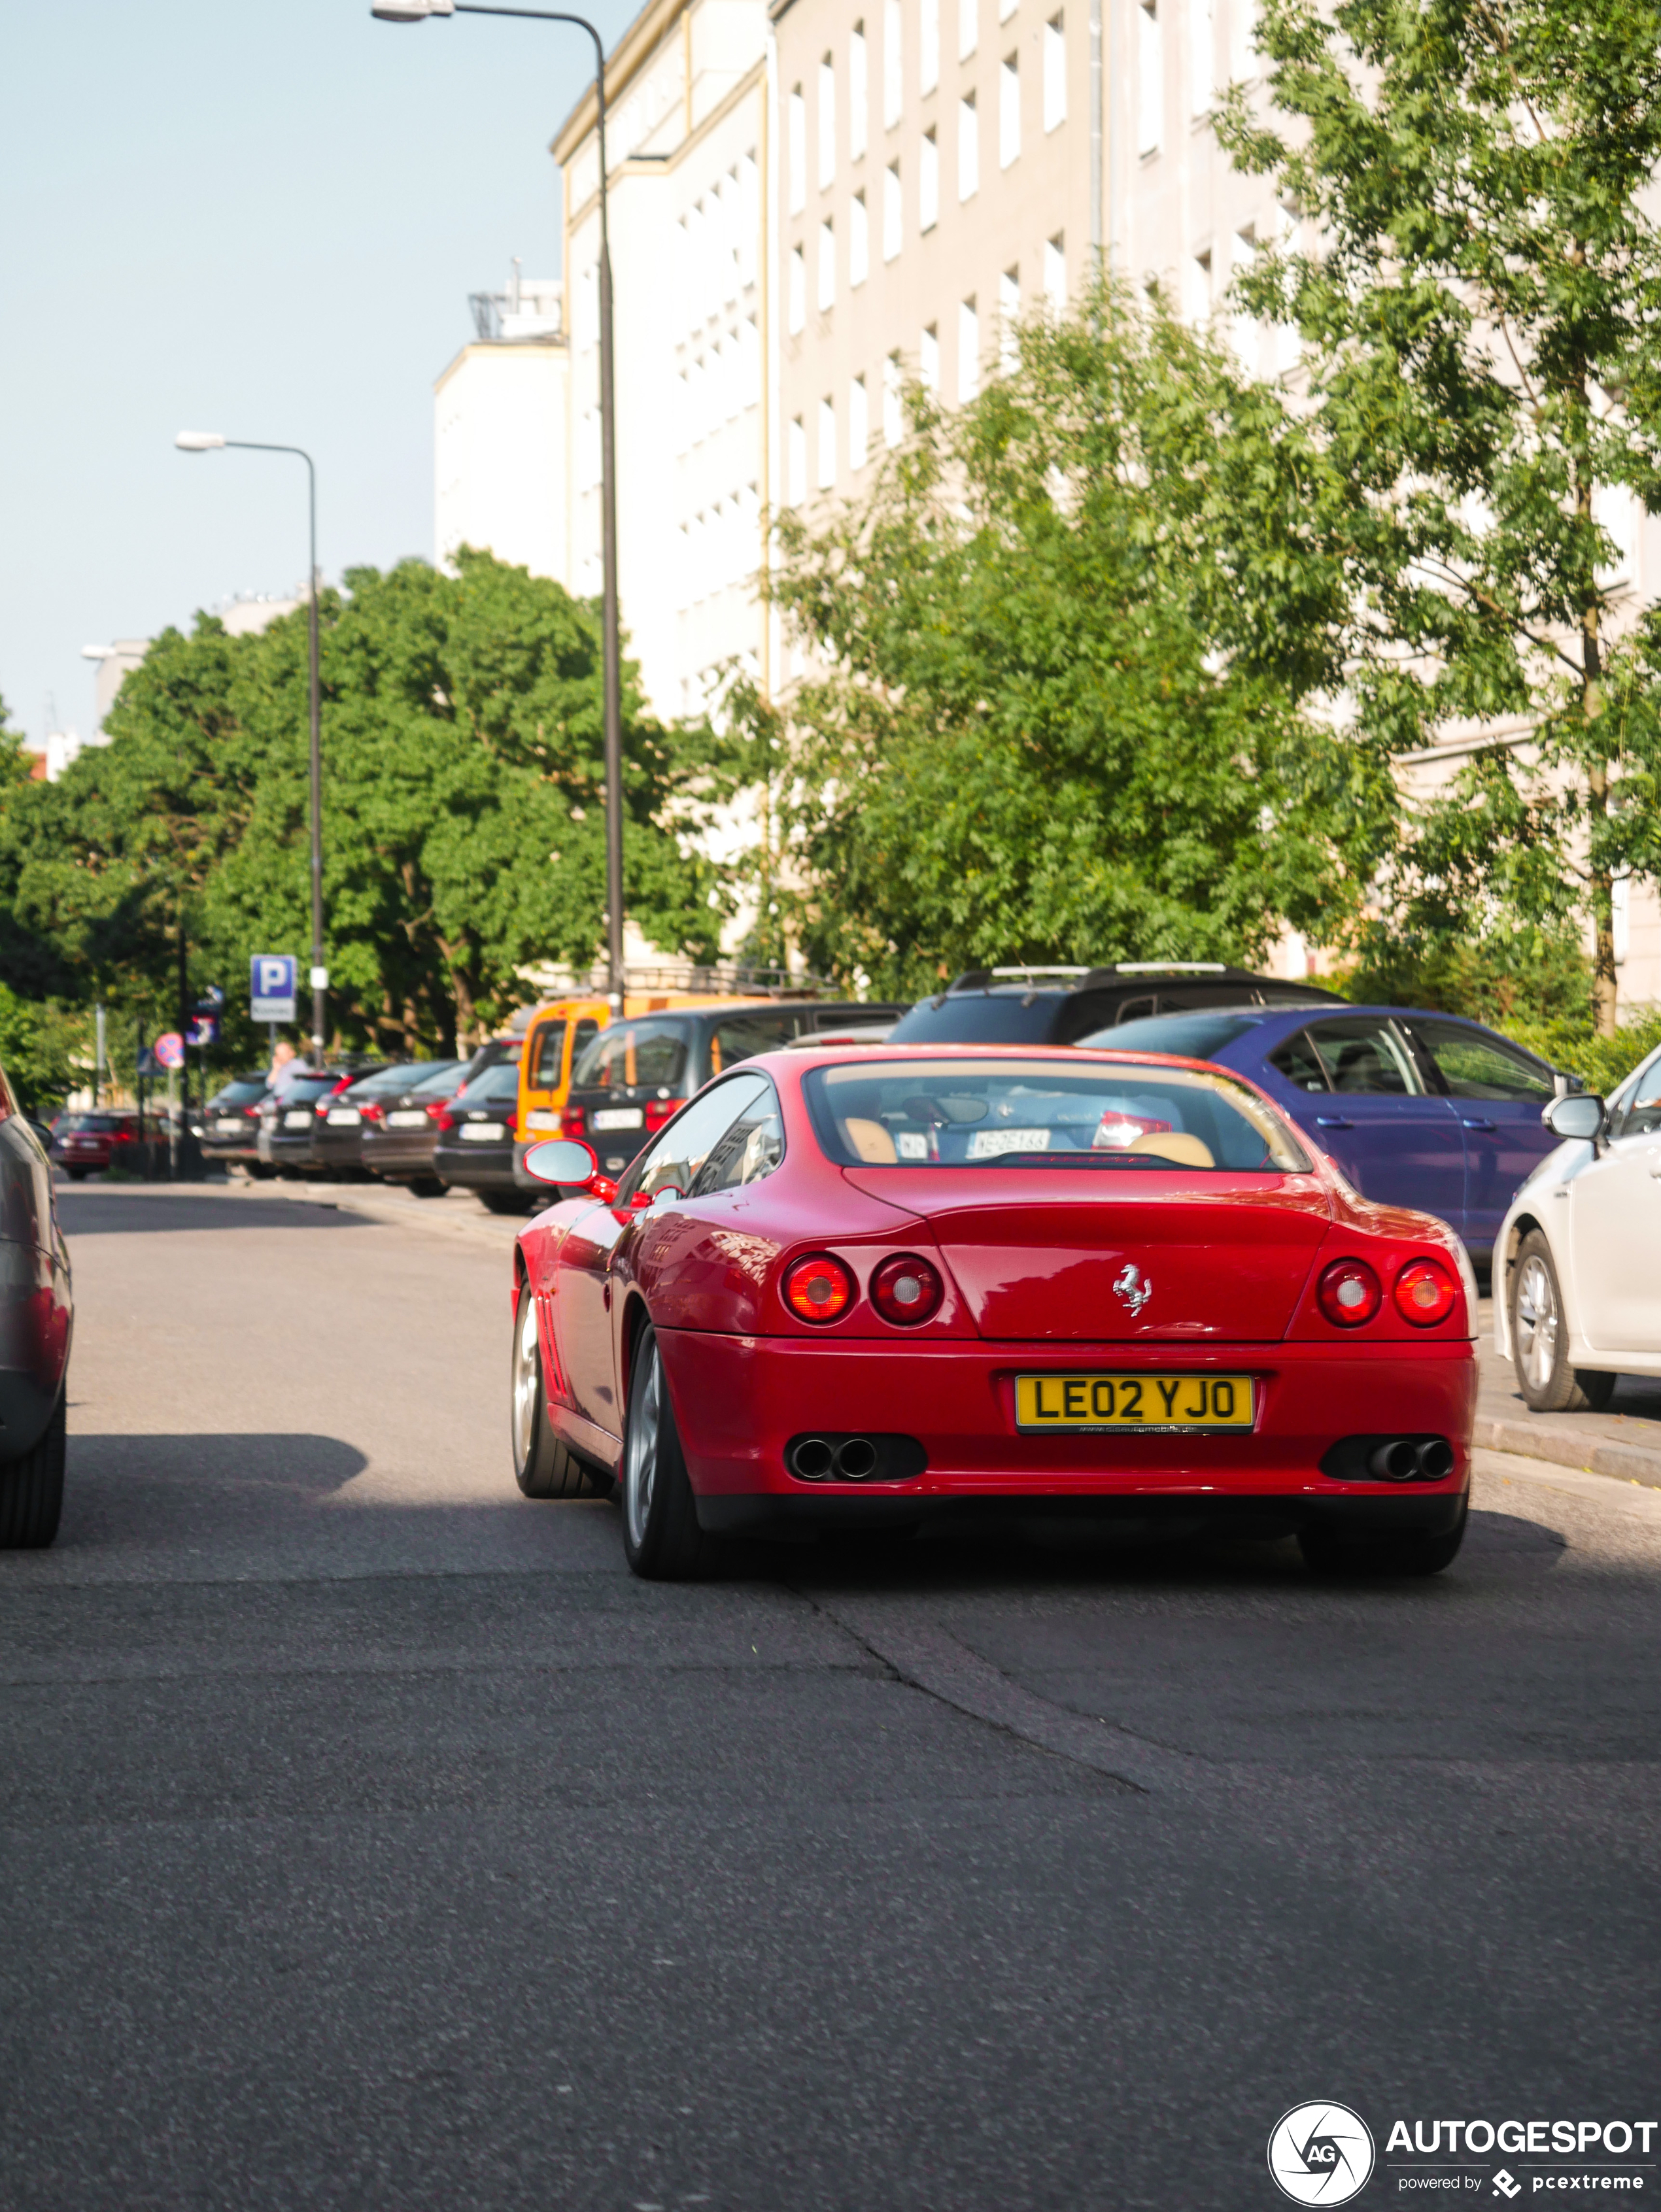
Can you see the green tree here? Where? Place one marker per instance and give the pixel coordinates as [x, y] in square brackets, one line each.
[1481, 314]
[1022, 745]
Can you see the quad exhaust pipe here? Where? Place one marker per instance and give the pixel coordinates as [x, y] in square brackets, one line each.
[846, 1459]
[1401, 1460]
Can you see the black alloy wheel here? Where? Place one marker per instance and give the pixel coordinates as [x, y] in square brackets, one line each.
[32, 1488]
[1413, 1553]
[542, 1466]
[661, 1539]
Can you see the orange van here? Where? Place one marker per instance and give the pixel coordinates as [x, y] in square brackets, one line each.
[554, 1038]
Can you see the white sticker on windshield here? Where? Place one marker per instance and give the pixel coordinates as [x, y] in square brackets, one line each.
[987, 1144]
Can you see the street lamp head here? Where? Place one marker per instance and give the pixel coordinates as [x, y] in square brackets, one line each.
[200, 441]
[410, 11]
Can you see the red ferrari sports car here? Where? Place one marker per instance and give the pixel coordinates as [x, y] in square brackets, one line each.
[865, 1287]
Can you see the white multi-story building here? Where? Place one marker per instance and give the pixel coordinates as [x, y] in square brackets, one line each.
[500, 433]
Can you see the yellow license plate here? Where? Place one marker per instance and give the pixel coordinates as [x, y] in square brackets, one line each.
[1133, 1401]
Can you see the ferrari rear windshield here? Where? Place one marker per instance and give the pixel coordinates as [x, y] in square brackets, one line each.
[1105, 1115]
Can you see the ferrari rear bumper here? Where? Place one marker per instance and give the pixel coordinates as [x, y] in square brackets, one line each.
[1427, 1513]
[738, 1402]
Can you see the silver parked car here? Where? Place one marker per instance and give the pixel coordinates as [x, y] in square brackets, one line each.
[37, 1320]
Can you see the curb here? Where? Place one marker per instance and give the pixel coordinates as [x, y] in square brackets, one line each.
[1620, 1463]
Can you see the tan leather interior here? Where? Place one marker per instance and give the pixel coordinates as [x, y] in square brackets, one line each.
[1174, 1145]
[871, 1142]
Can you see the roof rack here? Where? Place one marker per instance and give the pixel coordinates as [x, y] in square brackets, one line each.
[1169, 968]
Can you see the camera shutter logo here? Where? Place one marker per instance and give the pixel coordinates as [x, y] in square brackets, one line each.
[1321, 2155]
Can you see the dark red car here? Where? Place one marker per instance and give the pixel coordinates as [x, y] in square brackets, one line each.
[83, 1143]
[866, 1288]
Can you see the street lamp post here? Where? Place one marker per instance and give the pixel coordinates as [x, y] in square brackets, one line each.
[211, 442]
[416, 11]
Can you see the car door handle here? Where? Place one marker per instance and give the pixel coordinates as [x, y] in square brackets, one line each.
[1478, 1125]
[1332, 1121]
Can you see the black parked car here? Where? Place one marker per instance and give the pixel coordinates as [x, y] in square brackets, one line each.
[633, 1076]
[397, 1145]
[289, 1118]
[338, 1141]
[228, 1126]
[1059, 1006]
[474, 1147]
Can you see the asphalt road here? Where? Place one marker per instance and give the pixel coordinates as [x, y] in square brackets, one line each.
[371, 1840]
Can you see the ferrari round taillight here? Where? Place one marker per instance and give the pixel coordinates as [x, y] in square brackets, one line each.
[907, 1290]
[1349, 1293]
[819, 1288]
[1425, 1293]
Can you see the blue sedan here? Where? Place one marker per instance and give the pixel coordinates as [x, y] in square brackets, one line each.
[1417, 1109]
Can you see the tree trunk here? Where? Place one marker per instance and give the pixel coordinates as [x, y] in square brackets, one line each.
[1605, 999]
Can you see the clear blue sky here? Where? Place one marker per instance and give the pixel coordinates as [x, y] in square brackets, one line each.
[259, 219]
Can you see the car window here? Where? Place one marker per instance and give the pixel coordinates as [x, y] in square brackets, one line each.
[1474, 1066]
[697, 1154]
[1299, 1062]
[1639, 1113]
[992, 1017]
[546, 1053]
[1099, 1114]
[241, 1091]
[88, 1125]
[1366, 1056]
[746, 1035]
[388, 1079]
[494, 1088]
[632, 1054]
[445, 1077]
[1190, 1036]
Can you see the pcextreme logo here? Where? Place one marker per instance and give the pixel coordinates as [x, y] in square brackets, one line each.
[1320, 2154]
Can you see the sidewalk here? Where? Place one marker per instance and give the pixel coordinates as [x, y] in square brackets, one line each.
[1624, 1442]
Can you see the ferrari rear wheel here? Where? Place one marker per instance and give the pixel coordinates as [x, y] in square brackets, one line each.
[542, 1466]
[31, 1489]
[1540, 1339]
[1413, 1553]
[661, 1539]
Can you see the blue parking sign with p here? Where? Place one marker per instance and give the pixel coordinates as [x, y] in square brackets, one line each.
[272, 983]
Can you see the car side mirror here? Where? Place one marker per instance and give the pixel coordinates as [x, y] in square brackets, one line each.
[1580, 1114]
[569, 1161]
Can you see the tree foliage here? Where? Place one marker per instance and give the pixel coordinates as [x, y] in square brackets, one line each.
[463, 808]
[1021, 743]
[1477, 286]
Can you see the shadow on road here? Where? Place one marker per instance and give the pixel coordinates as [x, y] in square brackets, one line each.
[114, 1210]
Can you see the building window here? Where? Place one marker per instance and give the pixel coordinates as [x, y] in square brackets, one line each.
[1202, 54]
[892, 212]
[859, 424]
[969, 148]
[1055, 271]
[796, 134]
[1054, 72]
[1199, 287]
[1150, 78]
[859, 244]
[797, 314]
[928, 45]
[858, 92]
[893, 401]
[968, 351]
[827, 443]
[798, 461]
[929, 358]
[1009, 110]
[928, 182]
[893, 54]
[968, 27]
[827, 120]
[1009, 313]
[827, 293]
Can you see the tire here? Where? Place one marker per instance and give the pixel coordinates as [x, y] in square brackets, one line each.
[77, 1174]
[426, 1187]
[542, 1466]
[661, 1539]
[1539, 1338]
[504, 1201]
[257, 1171]
[31, 1489]
[1327, 1553]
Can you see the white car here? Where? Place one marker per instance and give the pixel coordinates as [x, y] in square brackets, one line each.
[1577, 1264]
